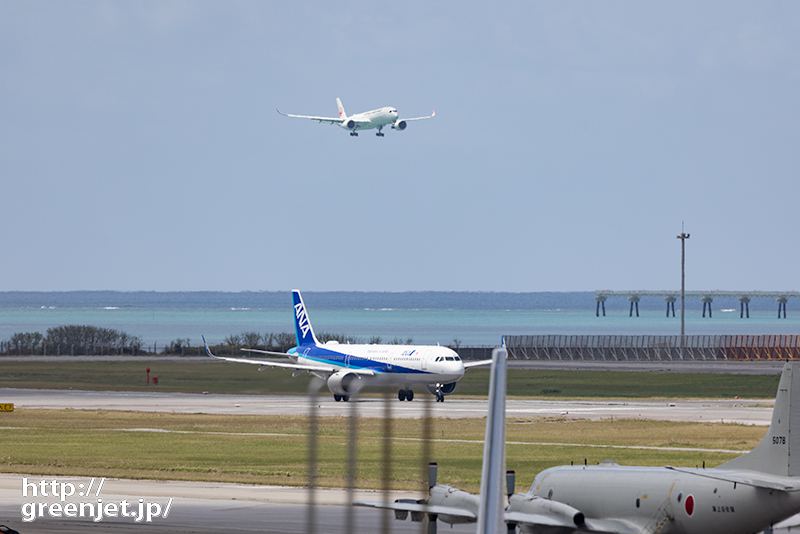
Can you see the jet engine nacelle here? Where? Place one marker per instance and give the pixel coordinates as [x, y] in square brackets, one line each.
[399, 125]
[350, 124]
[344, 383]
[446, 389]
[530, 504]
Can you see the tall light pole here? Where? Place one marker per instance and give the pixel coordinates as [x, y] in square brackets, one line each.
[683, 237]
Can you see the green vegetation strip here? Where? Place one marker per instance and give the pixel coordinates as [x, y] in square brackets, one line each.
[219, 377]
[273, 449]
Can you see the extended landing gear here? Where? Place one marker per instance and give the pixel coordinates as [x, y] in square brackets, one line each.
[380, 133]
[405, 394]
[338, 398]
[353, 134]
[439, 397]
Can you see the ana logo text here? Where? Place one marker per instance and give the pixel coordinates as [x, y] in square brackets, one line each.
[302, 318]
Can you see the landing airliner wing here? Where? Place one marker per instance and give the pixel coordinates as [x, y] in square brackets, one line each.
[421, 118]
[329, 120]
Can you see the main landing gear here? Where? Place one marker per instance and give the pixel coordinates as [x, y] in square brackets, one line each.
[405, 394]
[381, 134]
[338, 398]
[353, 134]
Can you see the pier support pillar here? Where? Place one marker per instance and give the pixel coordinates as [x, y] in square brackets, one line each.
[601, 301]
[634, 300]
[782, 304]
[707, 302]
[670, 303]
[744, 306]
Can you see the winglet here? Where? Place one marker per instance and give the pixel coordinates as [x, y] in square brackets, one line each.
[433, 113]
[208, 350]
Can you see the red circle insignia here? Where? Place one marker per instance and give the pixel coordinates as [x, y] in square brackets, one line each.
[689, 505]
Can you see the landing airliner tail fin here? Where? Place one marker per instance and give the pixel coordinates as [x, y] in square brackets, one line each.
[302, 325]
[340, 107]
[779, 451]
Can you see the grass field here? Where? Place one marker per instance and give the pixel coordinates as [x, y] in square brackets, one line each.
[273, 449]
[218, 377]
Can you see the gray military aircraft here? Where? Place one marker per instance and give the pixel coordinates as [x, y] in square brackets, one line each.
[745, 495]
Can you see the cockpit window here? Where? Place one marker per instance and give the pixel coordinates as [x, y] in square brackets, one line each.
[450, 359]
[458, 359]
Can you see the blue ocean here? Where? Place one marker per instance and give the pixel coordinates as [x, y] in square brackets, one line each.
[429, 317]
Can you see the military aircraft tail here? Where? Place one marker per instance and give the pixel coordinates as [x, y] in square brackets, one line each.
[490, 513]
[779, 451]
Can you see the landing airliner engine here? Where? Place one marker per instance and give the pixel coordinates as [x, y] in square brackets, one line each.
[399, 126]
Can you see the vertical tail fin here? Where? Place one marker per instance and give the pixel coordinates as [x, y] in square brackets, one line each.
[302, 326]
[775, 452]
[490, 513]
[342, 114]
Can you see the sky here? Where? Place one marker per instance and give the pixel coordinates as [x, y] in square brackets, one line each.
[140, 148]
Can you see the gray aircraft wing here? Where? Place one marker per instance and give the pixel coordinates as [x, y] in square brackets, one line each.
[595, 526]
[417, 507]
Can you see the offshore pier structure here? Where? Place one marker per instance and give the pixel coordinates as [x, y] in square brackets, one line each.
[707, 297]
[662, 347]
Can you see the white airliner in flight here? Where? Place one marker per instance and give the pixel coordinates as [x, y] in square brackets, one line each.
[377, 118]
[348, 368]
[745, 495]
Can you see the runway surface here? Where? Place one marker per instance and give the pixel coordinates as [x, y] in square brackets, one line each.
[734, 410]
[205, 507]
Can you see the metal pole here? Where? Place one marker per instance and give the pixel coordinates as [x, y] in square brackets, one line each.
[683, 237]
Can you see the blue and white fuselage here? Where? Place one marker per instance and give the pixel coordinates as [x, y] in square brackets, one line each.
[347, 368]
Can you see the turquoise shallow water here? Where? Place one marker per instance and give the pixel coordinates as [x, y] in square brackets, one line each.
[470, 327]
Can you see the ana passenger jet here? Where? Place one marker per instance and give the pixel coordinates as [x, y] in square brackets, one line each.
[377, 118]
[347, 368]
